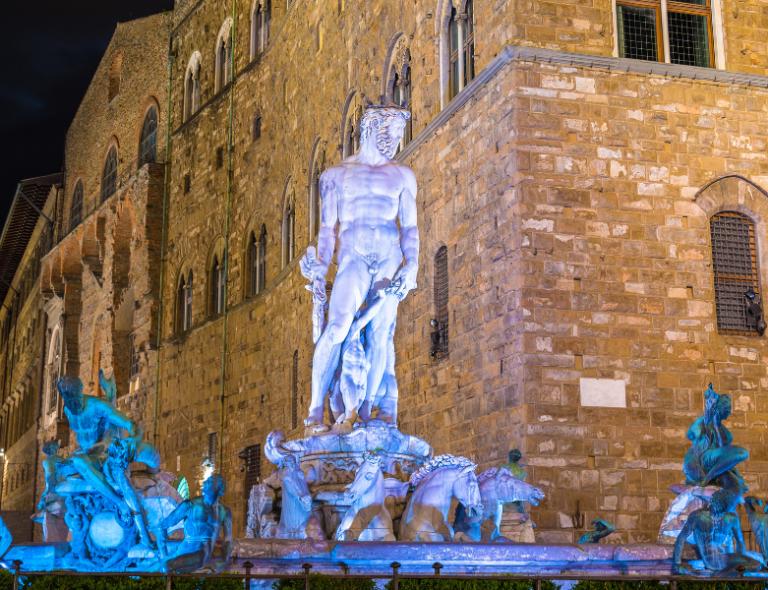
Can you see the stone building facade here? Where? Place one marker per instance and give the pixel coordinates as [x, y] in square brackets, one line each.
[26, 236]
[568, 199]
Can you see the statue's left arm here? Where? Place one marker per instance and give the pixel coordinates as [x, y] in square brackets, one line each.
[226, 524]
[120, 420]
[409, 234]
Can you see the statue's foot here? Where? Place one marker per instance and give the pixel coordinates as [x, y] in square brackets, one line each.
[343, 427]
[312, 428]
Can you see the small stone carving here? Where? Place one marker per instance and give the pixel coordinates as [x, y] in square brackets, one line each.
[715, 534]
[713, 457]
[758, 522]
[261, 522]
[372, 198]
[367, 518]
[498, 486]
[601, 529]
[435, 485]
[296, 518]
[205, 520]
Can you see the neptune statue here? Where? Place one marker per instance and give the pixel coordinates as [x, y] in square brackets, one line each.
[369, 217]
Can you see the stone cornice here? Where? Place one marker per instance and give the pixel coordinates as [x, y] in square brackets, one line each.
[548, 56]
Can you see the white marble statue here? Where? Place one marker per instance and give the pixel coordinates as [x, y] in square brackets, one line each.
[372, 201]
[261, 523]
[426, 516]
[296, 518]
[367, 518]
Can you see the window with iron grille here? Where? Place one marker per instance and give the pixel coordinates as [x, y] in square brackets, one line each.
[148, 141]
[251, 457]
[295, 390]
[642, 31]
[109, 175]
[213, 444]
[76, 210]
[735, 268]
[440, 322]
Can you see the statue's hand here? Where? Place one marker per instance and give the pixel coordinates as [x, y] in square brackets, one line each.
[403, 282]
[312, 267]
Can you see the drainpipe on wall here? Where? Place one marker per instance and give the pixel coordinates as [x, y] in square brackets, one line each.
[230, 173]
[163, 236]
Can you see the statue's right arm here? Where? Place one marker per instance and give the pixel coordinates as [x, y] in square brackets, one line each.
[677, 553]
[329, 216]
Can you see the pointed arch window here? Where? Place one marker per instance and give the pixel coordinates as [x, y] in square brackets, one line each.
[53, 370]
[461, 48]
[400, 91]
[217, 286]
[109, 175]
[289, 231]
[736, 273]
[260, 21]
[192, 87]
[255, 260]
[184, 304]
[223, 69]
[352, 133]
[148, 141]
[314, 195]
[76, 209]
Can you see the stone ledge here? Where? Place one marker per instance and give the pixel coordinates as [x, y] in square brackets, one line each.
[520, 53]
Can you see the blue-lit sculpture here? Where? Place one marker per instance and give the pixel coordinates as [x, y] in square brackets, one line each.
[758, 522]
[5, 540]
[296, 518]
[117, 506]
[715, 534]
[205, 519]
[600, 530]
[712, 458]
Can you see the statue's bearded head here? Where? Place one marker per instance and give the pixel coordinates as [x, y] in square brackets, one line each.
[71, 390]
[384, 125]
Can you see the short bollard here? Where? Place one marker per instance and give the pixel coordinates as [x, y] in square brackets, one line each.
[16, 567]
[437, 566]
[168, 582]
[395, 576]
[247, 582]
[306, 567]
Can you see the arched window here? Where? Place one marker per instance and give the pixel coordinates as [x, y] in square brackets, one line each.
[261, 263]
[109, 175]
[184, 304]
[736, 274]
[223, 64]
[192, 86]
[460, 39]
[53, 367]
[316, 168]
[439, 334]
[352, 133]
[400, 91]
[217, 286]
[255, 263]
[295, 390]
[289, 230]
[260, 20]
[148, 140]
[76, 209]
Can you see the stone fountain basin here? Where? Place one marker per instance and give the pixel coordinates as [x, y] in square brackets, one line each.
[371, 558]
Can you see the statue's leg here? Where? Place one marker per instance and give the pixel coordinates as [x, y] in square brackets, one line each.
[88, 471]
[346, 522]
[718, 461]
[380, 334]
[349, 290]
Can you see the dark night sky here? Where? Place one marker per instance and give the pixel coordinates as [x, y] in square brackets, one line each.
[50, 51]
